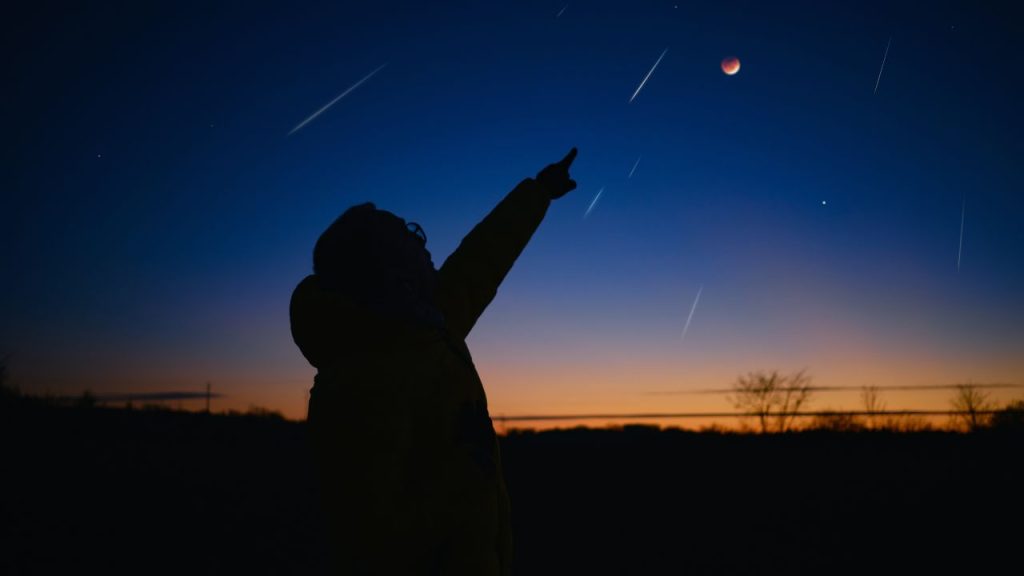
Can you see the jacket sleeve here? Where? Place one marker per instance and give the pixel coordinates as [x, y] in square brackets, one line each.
[470, 277]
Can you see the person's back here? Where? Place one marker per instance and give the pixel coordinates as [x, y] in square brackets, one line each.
[406, 454]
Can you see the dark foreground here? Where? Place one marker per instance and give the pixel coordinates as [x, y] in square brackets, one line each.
[98, 490]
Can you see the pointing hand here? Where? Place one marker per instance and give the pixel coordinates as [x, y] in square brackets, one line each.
[555, 177]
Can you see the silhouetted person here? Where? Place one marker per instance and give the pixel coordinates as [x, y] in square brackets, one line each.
[404, 446]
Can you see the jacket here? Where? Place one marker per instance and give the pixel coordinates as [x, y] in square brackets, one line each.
[406, 456]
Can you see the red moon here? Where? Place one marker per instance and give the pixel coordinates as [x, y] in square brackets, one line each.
[730, 65]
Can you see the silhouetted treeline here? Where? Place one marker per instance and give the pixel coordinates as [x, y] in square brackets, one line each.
[88, 489]
[644, 501]
[92, 488]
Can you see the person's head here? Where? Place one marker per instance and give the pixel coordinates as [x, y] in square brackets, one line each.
[367, 250]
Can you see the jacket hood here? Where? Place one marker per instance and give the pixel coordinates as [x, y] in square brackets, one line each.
[329, 328]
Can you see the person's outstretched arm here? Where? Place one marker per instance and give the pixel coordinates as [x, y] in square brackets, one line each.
[470, 277]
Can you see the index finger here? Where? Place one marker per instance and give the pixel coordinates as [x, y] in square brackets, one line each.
[567, 161]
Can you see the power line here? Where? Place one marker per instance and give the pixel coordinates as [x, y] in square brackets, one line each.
[158, 396]
[844, 388]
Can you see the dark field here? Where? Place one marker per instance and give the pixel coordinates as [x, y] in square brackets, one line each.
[91, 490]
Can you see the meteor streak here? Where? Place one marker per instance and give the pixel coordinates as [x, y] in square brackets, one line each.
[884, 56]
[960, 249]
[331, 103]
[692, 310]
[651, 71]
[593, 202]
[560, 11]
[637, 163]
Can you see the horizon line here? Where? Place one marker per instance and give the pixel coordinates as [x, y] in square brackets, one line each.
[653, 415]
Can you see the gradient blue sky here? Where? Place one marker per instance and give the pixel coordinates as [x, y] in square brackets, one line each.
[157, 215]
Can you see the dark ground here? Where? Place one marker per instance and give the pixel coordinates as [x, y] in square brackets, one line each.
[92, 490]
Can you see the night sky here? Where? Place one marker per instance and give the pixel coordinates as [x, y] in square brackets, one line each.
[157, 213]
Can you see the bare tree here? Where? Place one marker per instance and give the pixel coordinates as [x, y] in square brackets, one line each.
[873, 405]
[774, 399]
[752, 395]
[972, 407]
[832, 421]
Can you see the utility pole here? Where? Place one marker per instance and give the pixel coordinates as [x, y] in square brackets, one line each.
[207, 396]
